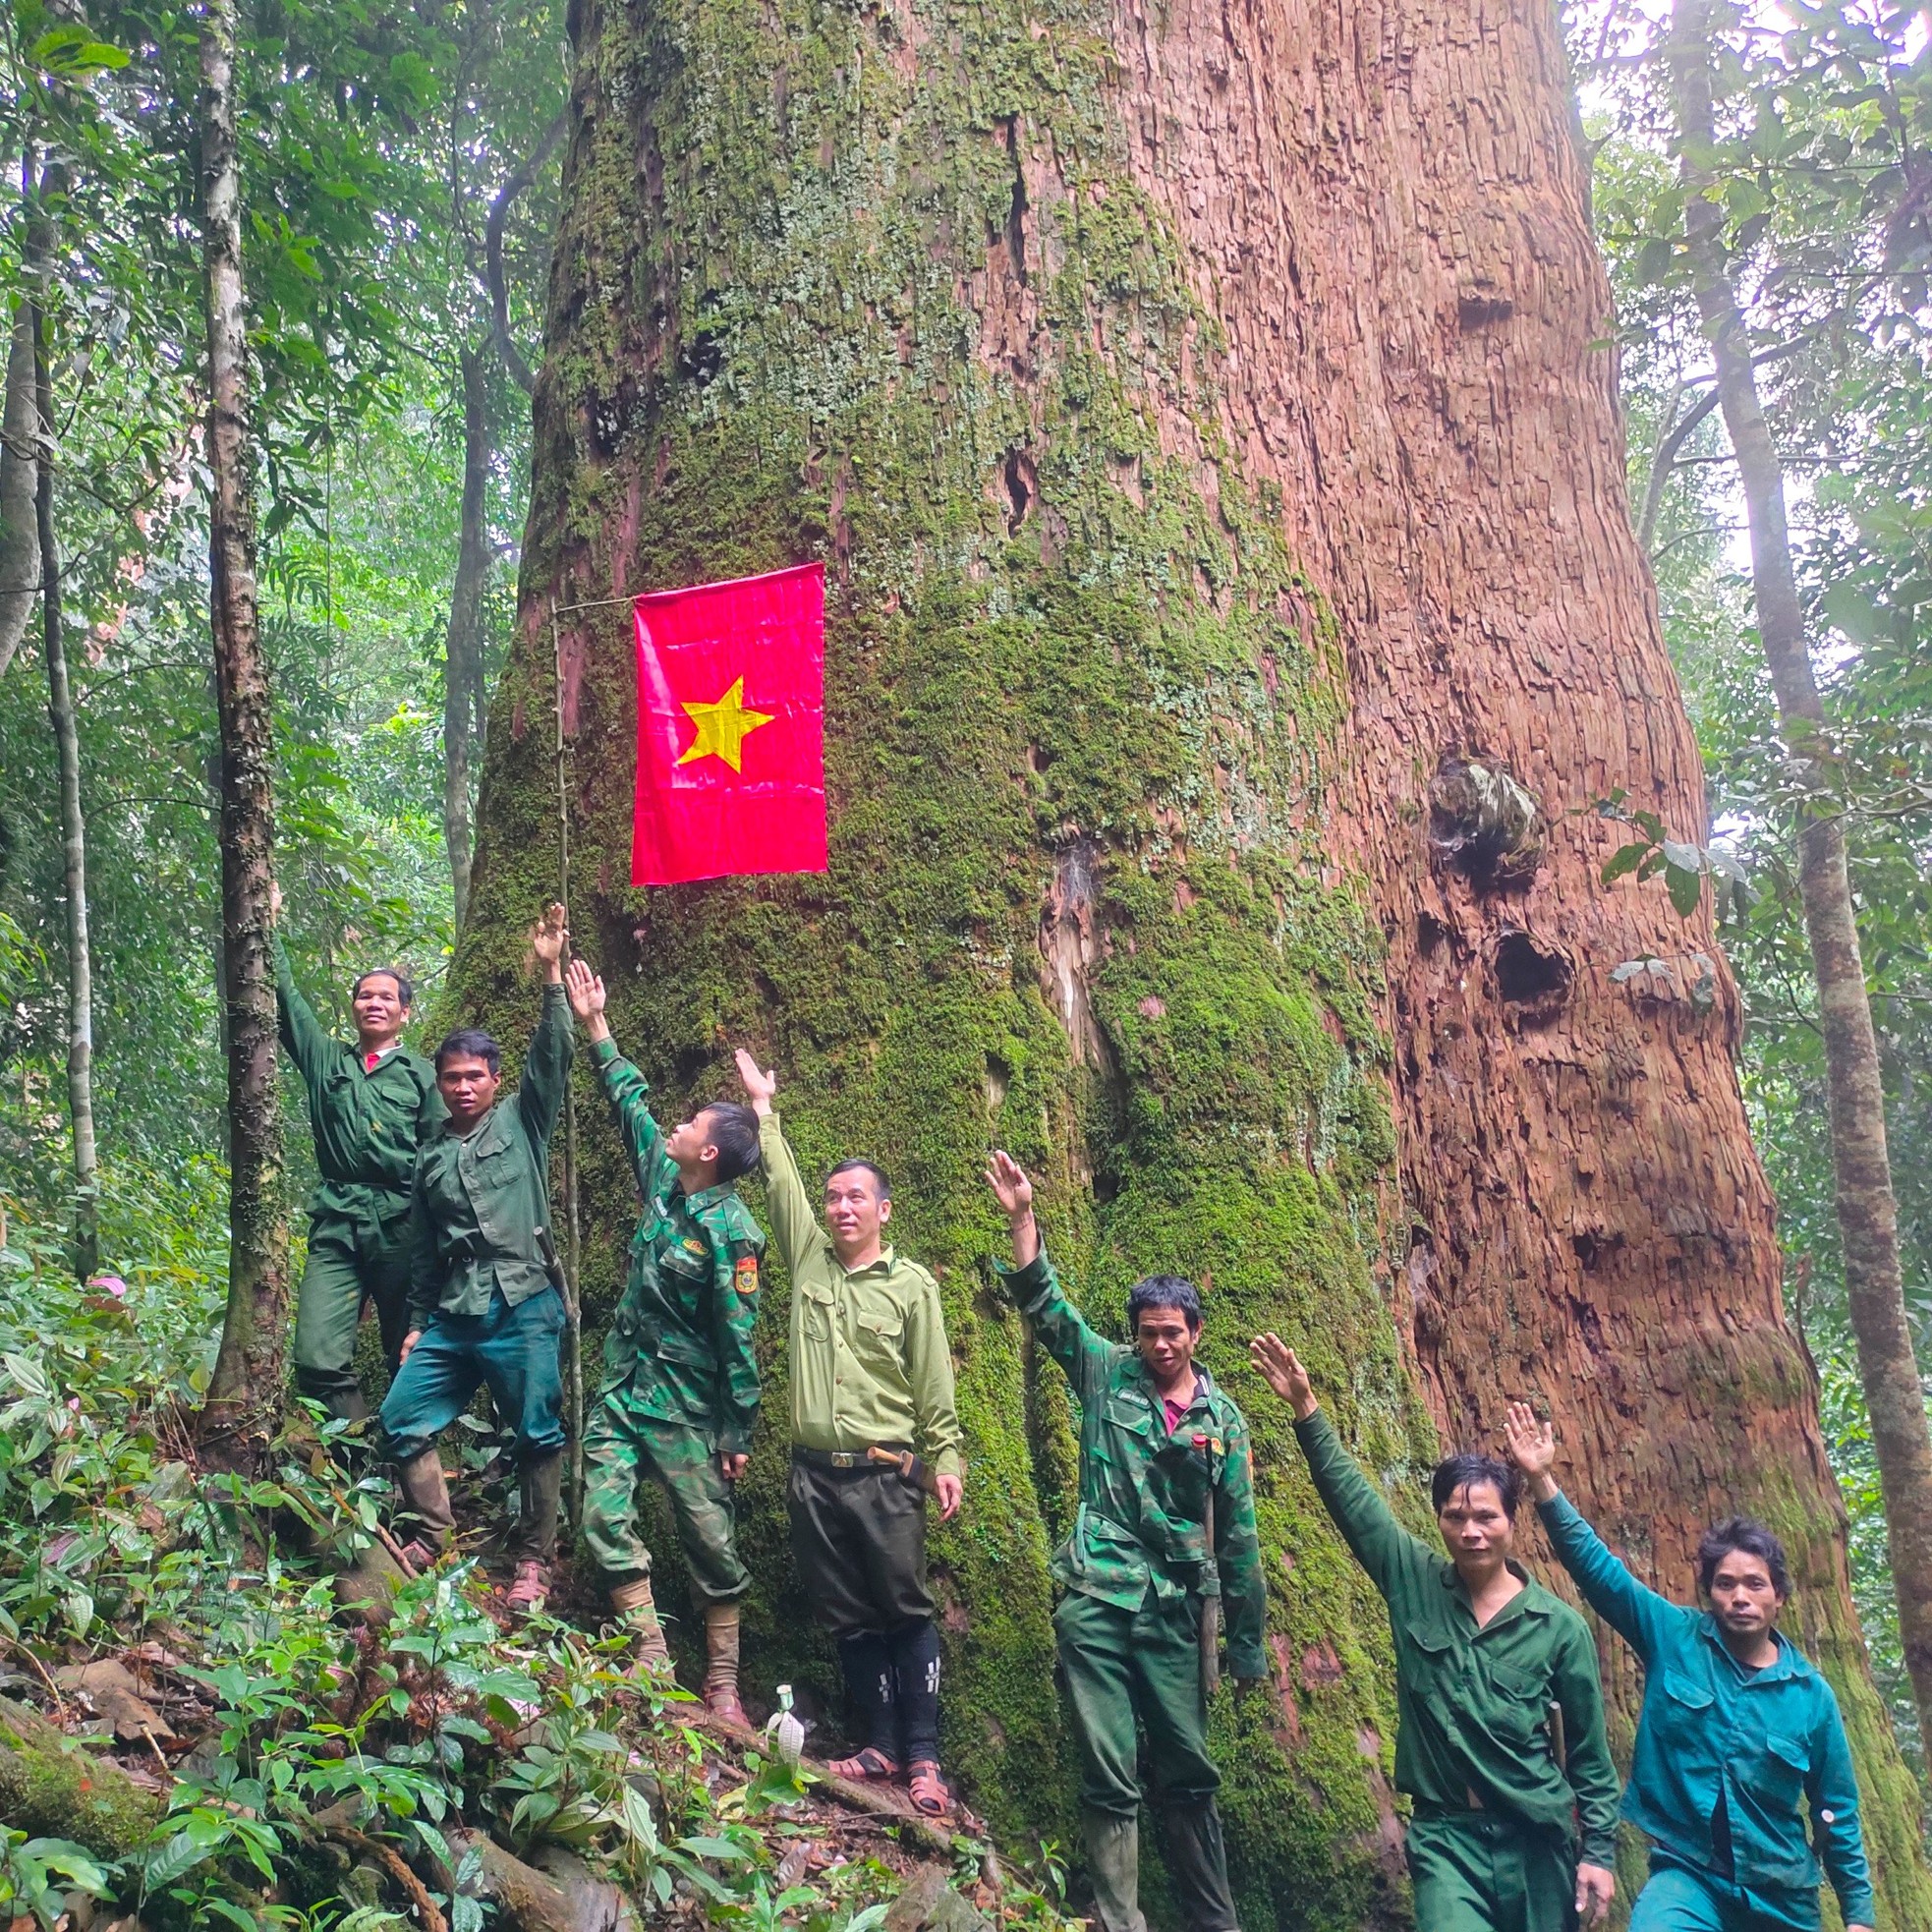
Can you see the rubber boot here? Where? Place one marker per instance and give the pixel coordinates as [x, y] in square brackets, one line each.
[426, 1495]
[1197, 1863]
[541, 1484]
[637, 1612]
[721, 1665]
[1114, 1864]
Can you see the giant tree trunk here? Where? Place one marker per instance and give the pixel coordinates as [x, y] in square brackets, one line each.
[1198, 412]
[245, 1394]
[1867, 1212]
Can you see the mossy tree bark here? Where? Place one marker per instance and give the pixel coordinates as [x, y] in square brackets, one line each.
[1199, 418]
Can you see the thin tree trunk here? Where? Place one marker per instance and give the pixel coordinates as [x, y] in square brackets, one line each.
[19, 559]
[1867, 1212]
[463, 646]
[59, 710]
[244, 1395]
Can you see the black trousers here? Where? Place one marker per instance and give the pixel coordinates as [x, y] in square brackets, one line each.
[858, 1541]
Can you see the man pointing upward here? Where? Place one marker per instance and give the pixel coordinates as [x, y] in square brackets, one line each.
[870, 1406]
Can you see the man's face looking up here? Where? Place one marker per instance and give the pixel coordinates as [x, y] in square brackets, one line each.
[856, 1215]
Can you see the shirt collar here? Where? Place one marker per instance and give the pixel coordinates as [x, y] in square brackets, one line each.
[1529, 1601]
[1788, 1662]
[885, 1265]
[706, 1197]
[394, 1047]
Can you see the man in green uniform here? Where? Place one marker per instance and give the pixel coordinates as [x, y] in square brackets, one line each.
[873, 1427]
[1165, 1529]
[483, 1302]
[368, 1105]
[1738, 1727]
[680, 1381]
[1483, 1655]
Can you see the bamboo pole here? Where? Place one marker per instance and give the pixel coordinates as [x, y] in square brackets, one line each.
[572, 1254]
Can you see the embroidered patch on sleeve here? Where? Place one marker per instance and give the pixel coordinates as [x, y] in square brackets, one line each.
[745, 1274]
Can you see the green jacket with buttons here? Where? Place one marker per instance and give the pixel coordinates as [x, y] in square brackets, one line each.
[366, 1122]
[681, 1338]
[481, 1201]
[1711, 1730]
[1473, 1702]
[1141, 1523]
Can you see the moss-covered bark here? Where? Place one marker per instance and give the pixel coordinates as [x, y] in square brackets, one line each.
[51, 1787]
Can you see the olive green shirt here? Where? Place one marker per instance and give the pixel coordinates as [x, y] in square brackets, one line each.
[1144, 1488]
[1473, 1702]
[482, 1199]
[366, 1122]
[681, 1338]
[869, 1365]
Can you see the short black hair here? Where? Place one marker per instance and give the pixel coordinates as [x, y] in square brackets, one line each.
[473, 1043]
[872, 1167]
[405, 986]
[1746, 1536]
[1468, 1467]
[1164, 1292]
[733, 1128]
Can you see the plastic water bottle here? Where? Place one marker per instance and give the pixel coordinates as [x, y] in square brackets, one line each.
[787, 1734]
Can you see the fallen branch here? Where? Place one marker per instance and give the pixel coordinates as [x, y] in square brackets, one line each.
[392, 1861]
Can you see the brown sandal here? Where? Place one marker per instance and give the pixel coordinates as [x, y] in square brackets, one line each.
[867, 1767]
[930, 1796]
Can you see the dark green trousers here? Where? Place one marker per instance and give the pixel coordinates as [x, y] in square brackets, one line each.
[353, 1258]
[1476, 1873]
[623, 1449]
[859, 1542]
[1123, 1665]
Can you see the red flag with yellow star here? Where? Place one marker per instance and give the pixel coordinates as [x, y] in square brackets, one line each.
[731, 771]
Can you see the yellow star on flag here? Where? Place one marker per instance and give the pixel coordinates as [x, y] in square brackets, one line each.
[723, 728]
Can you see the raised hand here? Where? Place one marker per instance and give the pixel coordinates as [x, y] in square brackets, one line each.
[1532, 1449]
[760, 1086]
[1010, 1186]
[585, 992]
[1280, 1368]
[548, 940]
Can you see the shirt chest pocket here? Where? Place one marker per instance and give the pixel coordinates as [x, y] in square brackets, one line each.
[1125, 1435]
[684, 1273]
[1520, 1701]
[877, 1332]
[1432, 1656]
[1774, 1774]
[814, 1306]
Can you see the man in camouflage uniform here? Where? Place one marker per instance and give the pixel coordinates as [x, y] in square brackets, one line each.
[1163, 1454]
[369, 1104]
[680, 1385]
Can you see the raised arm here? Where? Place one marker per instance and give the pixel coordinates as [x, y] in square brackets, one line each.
[794, 1219]
[1360, 1510]
[624, 1087]
[1832, 1785]
[546, 1067]
[309, 1045]
[1238, 1556]
[1062, 1331]
[1636, 1612]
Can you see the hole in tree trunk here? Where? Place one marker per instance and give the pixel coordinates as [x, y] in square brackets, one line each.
[1531, 977]
[1019, 488]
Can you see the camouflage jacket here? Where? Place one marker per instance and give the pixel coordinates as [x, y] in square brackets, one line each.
[681, 1338]
[1142, 1519]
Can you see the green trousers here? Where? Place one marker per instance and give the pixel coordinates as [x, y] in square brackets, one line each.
[1475, 1873]
[354, 1256]
[1675, 1900]
[622, 1448]
[1123, 1665]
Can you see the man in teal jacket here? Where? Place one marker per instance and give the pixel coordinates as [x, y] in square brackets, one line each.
[1736, 1727]
[1483, 1654]
[1164, 1528]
